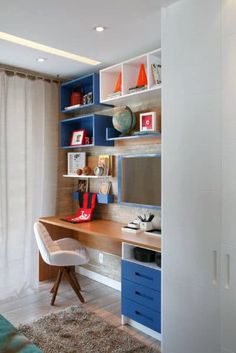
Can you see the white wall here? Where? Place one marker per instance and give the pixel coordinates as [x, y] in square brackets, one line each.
[191, 157]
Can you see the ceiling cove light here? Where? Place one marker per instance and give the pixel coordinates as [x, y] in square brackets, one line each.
[99, 28]
[46, 49]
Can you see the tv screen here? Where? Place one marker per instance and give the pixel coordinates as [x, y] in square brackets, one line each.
[139, 180]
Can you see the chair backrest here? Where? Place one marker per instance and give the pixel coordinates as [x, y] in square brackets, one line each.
[43, 240]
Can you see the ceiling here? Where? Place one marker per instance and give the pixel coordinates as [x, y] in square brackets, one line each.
[133, 27]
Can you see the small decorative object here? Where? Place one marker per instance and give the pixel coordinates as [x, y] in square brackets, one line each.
[86, 140]
[82, 185]
[123, 120]
[148, 121]
[75, 162]
[98, 171]
[118, 85]
[156, 73]
[84, 99]
[146, 221]
[79, 171]
[105, 187]
[142, 77]
[90, 98]
[76, 98]
[104, 163]
[86, 170]
[78, 137]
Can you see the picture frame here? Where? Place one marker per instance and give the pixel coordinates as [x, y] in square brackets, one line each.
[78, 137]
[75, 161]
[105, 187]
[83, 185]
[148, 121]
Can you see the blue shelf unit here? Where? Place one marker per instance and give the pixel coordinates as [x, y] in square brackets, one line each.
[141, 294]
[84, 84]
[105, 199]
[95, 126]
[114, 135]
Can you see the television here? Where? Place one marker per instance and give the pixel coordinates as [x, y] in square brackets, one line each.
[139, 180]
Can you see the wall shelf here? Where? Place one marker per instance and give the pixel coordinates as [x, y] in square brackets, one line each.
[114, 135]
[129, 70]
[84, 84]
[86, 176]
[95, 126]
[101, 198]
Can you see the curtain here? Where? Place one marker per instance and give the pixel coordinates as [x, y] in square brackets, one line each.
[28, 175]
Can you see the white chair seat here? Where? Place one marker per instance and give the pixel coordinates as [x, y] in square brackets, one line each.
[65, 253]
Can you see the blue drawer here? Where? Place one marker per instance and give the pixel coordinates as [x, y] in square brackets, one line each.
[143, 275]
[142, 295]
[141, 314]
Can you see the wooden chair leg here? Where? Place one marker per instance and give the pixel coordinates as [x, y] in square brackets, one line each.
[73, 275]
[56, 286]
[67, 274]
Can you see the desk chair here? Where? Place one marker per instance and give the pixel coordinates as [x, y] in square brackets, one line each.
[64, 253]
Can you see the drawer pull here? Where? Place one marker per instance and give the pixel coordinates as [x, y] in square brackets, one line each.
[143, 295]
[140, 314]
[143, 276]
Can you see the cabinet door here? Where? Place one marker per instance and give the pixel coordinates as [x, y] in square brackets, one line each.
[191, 179]
[228, 299]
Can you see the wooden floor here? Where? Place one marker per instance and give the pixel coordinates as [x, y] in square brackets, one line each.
[99, 298]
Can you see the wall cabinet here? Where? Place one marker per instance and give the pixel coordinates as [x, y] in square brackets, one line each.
[95, 126]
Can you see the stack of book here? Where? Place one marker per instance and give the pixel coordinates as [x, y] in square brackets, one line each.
[114, 94]
[137, 88]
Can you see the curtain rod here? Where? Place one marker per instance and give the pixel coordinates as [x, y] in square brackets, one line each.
[37, 75]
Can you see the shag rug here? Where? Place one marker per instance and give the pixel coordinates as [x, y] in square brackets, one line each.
[75, 330]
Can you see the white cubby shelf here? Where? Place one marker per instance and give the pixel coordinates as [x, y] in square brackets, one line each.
[129, 70]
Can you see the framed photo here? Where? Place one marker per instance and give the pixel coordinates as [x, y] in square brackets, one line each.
[78, 137]
[83, 185]
[148, 121]
[104, 187]
[75, 161]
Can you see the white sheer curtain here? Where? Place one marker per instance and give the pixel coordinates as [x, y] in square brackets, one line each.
[28, 174]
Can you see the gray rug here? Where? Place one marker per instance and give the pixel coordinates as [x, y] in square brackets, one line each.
[75, 330]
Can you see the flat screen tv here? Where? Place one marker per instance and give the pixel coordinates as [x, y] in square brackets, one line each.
[139, 180]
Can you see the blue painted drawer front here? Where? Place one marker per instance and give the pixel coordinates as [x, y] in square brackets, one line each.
[143, 275]
[141, 314]
[142, 295]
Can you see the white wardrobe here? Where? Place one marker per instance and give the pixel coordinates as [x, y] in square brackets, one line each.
[199, 176]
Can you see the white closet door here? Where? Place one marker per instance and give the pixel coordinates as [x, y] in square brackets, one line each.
[191, 157]
[228, 292]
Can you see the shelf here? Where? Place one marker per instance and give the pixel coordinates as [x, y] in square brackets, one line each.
[85, 84]
[86, 176]
[146, 264]
[101, 198]
[114, 135]
[95, 126]
[130, 71]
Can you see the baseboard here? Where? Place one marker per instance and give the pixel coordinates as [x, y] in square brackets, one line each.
[99, 278]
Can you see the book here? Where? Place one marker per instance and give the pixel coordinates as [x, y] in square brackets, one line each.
[156, 73]
[130, 230]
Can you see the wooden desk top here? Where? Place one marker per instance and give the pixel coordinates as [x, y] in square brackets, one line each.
[109, 230]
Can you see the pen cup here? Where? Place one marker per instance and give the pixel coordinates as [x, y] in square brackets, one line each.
[145, 225]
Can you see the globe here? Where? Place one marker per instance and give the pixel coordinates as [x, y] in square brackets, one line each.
[123, 120]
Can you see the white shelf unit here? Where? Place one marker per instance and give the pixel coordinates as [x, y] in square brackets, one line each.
[128, 255]
[130, 70]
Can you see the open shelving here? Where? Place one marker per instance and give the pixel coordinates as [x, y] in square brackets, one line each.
[129, 70]
[114, 135]
[95, 126]
[84, 84]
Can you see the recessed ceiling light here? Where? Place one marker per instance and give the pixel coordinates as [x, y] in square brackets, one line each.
[41, 60]
[99, 28]
[46, 49]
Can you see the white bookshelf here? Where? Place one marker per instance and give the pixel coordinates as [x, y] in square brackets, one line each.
[129, 70]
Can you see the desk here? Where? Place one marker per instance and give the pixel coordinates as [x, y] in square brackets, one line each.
[98, 234]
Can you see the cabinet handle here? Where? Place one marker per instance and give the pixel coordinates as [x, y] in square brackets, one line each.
[227, 271]
[215, 272]
[143, 276]
[143, 295]
[145, 316]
